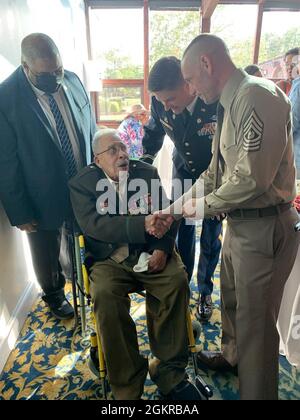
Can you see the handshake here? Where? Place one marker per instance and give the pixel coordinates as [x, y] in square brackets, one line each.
[158, 224]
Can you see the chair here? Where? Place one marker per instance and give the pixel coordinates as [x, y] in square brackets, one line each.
[96, 350]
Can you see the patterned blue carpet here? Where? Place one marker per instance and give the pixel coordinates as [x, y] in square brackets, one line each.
[49, 360]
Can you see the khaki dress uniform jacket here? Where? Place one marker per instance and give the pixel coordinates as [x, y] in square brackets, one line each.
[252, 179]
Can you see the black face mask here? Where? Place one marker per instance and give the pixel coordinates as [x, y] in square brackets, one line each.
[48, 83]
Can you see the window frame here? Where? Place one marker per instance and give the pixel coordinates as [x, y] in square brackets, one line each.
[139, 83]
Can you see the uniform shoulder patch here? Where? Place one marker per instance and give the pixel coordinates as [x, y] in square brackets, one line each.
[253, 131]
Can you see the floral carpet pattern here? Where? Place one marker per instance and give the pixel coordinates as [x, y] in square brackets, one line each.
[49, 361]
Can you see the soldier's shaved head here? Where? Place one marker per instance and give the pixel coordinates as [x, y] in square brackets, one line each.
[206, 66]
[207, 44]
[38, 46]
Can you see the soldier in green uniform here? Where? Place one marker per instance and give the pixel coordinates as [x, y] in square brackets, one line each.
[252, 179]
[126, 259]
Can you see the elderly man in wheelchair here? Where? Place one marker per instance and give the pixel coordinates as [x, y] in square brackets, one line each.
[119, 226]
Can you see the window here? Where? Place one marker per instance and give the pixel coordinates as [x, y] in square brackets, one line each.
[171, 32]
[280, 33]
[117, 45]
[115, 99]
[117, 42]
[236, 24]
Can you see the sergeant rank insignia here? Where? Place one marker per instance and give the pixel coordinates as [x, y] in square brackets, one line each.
[253, 133]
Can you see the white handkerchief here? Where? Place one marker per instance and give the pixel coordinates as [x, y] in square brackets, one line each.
[143, 263]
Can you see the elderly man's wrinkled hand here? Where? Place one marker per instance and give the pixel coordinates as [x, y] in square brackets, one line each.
[158, 262]
[158, 224]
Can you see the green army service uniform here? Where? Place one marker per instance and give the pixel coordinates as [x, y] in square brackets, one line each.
[191, 132]
[253, 153]
[167, 294]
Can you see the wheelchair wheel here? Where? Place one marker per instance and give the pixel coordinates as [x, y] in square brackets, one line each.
[196, 329]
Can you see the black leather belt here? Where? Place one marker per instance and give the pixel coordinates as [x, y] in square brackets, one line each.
[257, 213]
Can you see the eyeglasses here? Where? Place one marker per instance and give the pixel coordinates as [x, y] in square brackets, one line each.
[291, 65]
[114, 150]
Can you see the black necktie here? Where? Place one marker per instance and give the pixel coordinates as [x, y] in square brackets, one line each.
[186, 116]
[66, 146]
[217, 151]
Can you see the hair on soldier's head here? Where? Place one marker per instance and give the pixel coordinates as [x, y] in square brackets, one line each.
[38, 46]
[207, 44]
[252, 69]
[165, 75]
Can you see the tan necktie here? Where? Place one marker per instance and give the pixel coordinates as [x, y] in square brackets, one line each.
[218, 159]
[121, 253]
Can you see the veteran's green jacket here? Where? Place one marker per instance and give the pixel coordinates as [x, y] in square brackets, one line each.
[104, 232]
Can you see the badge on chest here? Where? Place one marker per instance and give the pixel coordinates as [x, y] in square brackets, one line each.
[166, 124]
[141, 205]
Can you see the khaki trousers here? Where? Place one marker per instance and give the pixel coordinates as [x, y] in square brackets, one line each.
[166, 305]
[258, 257]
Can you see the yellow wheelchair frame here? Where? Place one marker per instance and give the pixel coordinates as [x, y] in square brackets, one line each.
[83, 284]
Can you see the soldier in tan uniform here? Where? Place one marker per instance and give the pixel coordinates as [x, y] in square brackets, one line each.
[252, 179]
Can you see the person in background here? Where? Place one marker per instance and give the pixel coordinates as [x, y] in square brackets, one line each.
[131, 130]
[292, 70]
[254, 70]
[46, 126]
[294, 96]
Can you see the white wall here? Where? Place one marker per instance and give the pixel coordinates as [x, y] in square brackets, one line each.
[18, 287]
[64, 21]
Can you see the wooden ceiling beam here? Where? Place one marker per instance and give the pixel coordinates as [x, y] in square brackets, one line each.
[260, 14]
[208, 7]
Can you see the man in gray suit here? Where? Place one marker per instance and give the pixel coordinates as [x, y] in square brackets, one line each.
[46, 128]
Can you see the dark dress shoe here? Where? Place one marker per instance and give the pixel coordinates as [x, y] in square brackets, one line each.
[62, 311]
[184, 391]
[205, 309]
[215, 361]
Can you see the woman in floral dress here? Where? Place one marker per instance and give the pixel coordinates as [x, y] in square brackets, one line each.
[131, 130]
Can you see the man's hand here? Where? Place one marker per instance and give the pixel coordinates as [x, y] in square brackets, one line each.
[28, 227]
[220, 217]
[158, 224]
[194, 209]
[157, 262]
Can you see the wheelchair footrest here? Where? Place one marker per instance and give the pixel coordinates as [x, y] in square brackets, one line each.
[202, 386]
[93, 363]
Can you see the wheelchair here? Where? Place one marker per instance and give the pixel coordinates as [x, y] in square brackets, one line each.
[81, 288]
